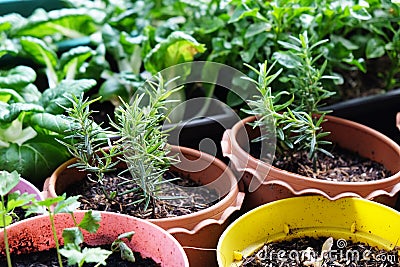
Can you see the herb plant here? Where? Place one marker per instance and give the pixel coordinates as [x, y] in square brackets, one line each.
[144, 142]
[31, 120]
[73, 237]
[7, 182]
[86, 141]
[293, 112]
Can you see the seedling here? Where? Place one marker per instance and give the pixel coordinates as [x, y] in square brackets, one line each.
[120, 245]
[73, 236]
[144, 142]
[292, 112]
[86, 142]
[7, 182]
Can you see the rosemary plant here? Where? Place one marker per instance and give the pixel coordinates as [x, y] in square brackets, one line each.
[144, 142]
[86, 141]
[292, 111]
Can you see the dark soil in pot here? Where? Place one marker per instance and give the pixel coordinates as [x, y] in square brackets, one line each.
[345, 166]
[48, 258]
[307, 252]
[186, 202]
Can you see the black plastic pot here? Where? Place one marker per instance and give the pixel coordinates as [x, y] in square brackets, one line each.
[377, 111]
[26, 7]
[203, 133]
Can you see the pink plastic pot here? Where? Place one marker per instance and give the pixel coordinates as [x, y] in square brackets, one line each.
[25, 186]
[272, 183]
[150, 240]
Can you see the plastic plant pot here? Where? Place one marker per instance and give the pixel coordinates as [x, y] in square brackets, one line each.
[355, 219]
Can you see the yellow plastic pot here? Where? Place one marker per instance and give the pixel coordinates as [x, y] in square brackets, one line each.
[353, 219]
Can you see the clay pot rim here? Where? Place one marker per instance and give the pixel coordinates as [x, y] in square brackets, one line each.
[226, 201]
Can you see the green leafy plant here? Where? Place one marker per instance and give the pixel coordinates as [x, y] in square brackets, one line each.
[293, 112]
[144, 142]
[14, 200]
[86, 141]
[31, 120]
[73, 236]
[120, 246]
[141, 141]
[53, 206]
[73, 240]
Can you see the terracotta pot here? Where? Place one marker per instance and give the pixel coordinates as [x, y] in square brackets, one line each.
[274, 184]
[149, 239]
[25, 186]
[197, 232]
[312, 216]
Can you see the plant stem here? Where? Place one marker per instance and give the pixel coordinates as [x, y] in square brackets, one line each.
[6, 237]
[53, 229]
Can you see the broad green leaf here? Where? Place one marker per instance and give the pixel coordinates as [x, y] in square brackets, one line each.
[360, 13]
[17, 77]
[247, 55]
[16, 199]
[74, 256]
[129, 43]
[55, 123]
[39, 51]
[72, 23]
[90, 221]
[8, 220]
[7, 47]
[95, 255]
[210, 25]
[179, 47]
[286, 59]
[31, 94]
[113, 88]
[8, 180]
[68, 205]
[126, 252]
[10, 112]
[375, 48]
[16, 133]
[10, 21]
[349, 45]
[54, 99]
[36, 159]
[73, 237]
[125, 20]
[257, 28]
[242, 12]
[72, 60]
[7, 95]
[50, 201]
[127, 235]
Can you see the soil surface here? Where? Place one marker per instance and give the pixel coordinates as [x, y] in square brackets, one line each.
[48, 258]
[189, 197]
[307, 252]
[345, 166]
